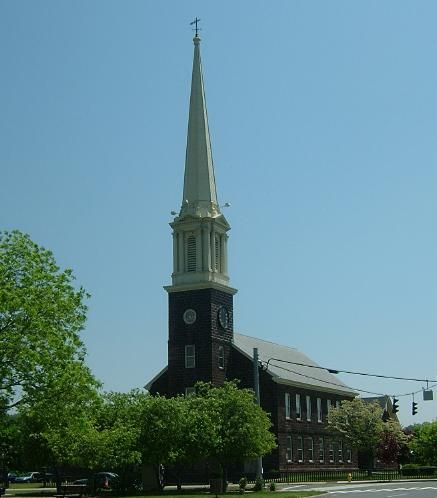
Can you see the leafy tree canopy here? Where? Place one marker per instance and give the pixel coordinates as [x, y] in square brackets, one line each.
[41, 315]
[424, 443]
[240, 428]
[360, 423]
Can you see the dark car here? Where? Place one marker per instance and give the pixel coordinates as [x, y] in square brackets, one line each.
[106, 479]
[100, 480]
[81, 481]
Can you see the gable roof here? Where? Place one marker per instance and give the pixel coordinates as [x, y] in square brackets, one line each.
[290, 373]
[385, 403]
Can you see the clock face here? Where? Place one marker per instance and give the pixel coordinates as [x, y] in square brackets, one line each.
[189, 316]
[223, 317]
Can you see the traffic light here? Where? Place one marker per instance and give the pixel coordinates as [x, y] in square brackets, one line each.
[414, 408]
[395, 407]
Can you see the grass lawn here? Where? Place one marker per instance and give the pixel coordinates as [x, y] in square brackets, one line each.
[29, 490]
[249, 494]
[231, 494]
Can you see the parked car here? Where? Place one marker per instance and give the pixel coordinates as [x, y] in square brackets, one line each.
[100, 480]
[81, 481]
[30, 477]
[12, 476]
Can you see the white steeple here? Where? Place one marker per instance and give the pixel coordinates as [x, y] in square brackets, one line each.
[200, 196]
[199, 232]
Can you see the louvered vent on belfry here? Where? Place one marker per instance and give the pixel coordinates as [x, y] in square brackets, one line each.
[191, 253]
[217, 253]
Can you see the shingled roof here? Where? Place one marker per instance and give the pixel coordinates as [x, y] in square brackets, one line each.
[289, 373]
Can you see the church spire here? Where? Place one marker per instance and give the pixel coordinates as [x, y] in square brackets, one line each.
[200, 240]
[200, 195]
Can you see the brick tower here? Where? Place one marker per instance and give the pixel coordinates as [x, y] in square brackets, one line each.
[200, 298]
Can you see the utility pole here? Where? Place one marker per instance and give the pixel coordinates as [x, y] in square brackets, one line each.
[259, 460]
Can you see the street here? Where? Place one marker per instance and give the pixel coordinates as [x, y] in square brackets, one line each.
[426, 489]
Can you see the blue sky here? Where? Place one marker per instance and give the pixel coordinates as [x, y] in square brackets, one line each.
[323, 118]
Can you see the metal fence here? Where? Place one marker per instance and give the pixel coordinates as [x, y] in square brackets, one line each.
[356, 475]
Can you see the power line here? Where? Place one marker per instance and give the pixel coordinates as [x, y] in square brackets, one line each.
[336, 371]
[339, 385]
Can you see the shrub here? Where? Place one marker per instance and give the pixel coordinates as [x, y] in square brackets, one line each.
[272, 486]
[242, 483]
[259, 484]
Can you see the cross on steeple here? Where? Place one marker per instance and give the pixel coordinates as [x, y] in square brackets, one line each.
[197, 29]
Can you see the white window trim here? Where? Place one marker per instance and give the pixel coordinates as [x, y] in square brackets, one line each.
[311, 449]
[319, 411]
[287, 406]
[308, 407]
[188, 357]
[221, 356]
[300, 449]
[298, 408]
[289, 446]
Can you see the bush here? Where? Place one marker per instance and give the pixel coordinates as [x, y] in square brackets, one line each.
[272, 486]
[259, 484]
[413, 469]
[242, 483]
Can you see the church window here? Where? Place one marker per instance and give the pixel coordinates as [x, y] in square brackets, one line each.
[319, 410]
[337, 404]
[299, 448]
[190, 356]
[298, 407]
[310, 449]
[348, 455]
[289, 450]
[331, 452]
[340, 451]
[308, 403]
[191, 253]
[328, 405]
[287, 405]
[321, 450]
[217, 253]
[221, 357]
[190, 391]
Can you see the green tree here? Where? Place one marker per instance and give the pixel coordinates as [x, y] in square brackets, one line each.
[43, 375]
[424, 443]
[115, 441]
[61, 424]
[240, 429]
[221, 424]
[169, 436]
[41, 315]
[361, 424]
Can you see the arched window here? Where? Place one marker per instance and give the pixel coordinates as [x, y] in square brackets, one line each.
[191, 253]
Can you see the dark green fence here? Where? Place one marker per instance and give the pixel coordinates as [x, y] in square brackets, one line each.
[357, 475]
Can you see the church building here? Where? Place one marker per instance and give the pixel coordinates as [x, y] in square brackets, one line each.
[202, 344]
